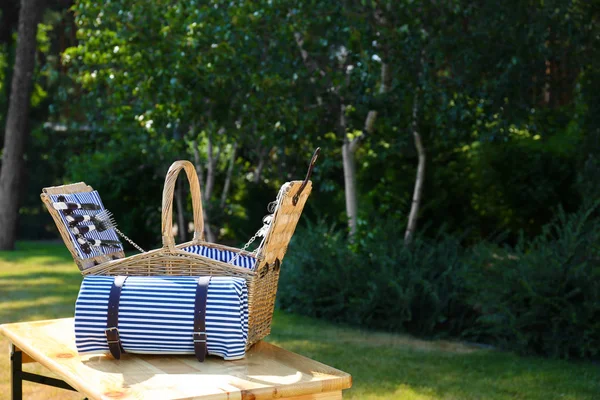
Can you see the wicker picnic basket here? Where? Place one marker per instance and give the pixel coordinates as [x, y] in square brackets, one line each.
[170, 259]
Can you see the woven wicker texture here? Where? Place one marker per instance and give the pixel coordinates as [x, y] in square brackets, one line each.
[172, 260]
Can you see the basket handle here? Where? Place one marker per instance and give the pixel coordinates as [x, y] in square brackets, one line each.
[167, 202]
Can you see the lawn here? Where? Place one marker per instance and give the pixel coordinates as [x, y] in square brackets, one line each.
[40, 281]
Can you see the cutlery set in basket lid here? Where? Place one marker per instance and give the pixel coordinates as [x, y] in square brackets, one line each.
[191, 298]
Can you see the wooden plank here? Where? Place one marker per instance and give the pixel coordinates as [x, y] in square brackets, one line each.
[318, 396]
[267, 371]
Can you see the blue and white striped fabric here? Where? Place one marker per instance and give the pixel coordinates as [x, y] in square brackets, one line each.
[222, 255]
[88, 197]
[156, 315]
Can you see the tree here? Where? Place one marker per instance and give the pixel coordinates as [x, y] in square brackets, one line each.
[196, 77]
[339, 53]
[248, 89]
[16, 132]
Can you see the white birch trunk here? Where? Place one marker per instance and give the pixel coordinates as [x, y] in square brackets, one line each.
[181, 225]
[420, 178]
[386, 79]
[261, 164]
[349, 150]
[418, 191]
[228, 176]
[349, 165]
[208, 188]
[208, 234]
[198, 163]
[210, 171]
[350, 187]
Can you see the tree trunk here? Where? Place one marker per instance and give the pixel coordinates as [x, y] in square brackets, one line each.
[350, 186]
[420, 178]
[348, 146]
[228, 177]
[198, 163]
[208, 188]
[200, 172]
[261, 165]
[16, 122]
[210, 236]
[210, 170]
[386, 78]
[181, 226]
[348, 150]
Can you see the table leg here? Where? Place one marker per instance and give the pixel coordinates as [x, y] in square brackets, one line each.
[16, 373]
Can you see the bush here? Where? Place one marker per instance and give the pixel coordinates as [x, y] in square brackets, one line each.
[374, 283]
[543, 296]
[540, 297]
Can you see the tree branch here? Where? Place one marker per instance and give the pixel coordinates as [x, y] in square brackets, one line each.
[310, 63]
[210, 170]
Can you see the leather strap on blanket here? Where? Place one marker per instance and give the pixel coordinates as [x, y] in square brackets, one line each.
[200, 318]
[112, 318]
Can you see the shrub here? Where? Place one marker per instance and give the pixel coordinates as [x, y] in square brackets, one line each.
[540, 297]
[376, 282]
[543, 296]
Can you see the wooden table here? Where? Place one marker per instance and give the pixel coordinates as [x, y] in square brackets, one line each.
[267, 371]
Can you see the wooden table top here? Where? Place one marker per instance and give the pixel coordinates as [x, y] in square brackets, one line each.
[267, 371]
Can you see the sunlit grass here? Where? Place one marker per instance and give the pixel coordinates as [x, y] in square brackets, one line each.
[37, 281]
[386, 366]
[40, 281]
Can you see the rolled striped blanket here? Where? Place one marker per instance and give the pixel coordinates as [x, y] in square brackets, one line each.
[222, 255]
[156, 315]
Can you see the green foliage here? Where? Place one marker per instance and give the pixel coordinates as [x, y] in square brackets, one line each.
[234, 73]
[420, 289]
[542, 296]
[517, 183]
[129, 169]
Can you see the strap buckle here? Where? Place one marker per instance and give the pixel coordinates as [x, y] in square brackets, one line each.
[199, 337]
[112, 335]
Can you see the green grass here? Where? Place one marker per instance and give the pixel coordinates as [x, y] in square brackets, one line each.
[40, 281]
[386, 366]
